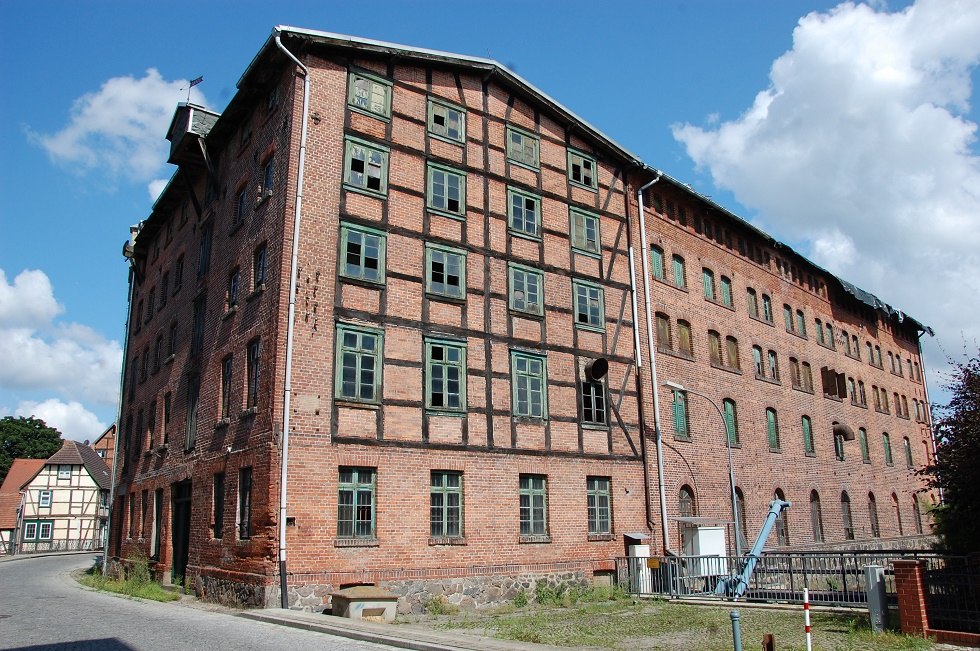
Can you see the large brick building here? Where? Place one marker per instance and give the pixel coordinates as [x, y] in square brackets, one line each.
[447, 391]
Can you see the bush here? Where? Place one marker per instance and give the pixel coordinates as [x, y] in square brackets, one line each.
[520, 600]
[439, 606]
[137, 582]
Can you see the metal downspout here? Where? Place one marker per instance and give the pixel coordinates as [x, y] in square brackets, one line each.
[655, 385]
[293, 265]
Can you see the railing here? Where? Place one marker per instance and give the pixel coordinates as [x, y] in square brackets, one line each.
[952, 586]
[44, 546]
[832, 579]
[6, 548]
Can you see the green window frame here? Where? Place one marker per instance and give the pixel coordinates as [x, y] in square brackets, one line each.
[590, 312]
[445, 375]
[599, 496]
[767, 308]
[362, 253]
[526, 289]
[365, 167]
[818, 328]
[446, 504]
[593, 402]
[359, 363]
[524, 213]
[534, 505]
[886, 443]
[529, 381]
[726, 291]
[446, 190]
[679, 276]
[908, 452]
[752, 302]
[37, 530]
[772, 428]
[657, 262]
[730, 409]
[582, 170]
[865, 450]
[708, 278]
[523, 147]
[800, 323]
[369, 94]
[445, 271]
[682, 429]
[447, 121]
[356, 502]
[807, 425]
[788, 317]
[585, 232]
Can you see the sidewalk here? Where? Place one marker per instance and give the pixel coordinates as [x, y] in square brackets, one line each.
[404, 636]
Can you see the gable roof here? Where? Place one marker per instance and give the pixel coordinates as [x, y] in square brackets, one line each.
[78, 454]
[21, 472]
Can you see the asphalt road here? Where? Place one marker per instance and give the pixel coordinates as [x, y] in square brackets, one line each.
[43, 609]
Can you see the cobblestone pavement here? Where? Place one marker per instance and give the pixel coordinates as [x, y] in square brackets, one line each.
[43, 609]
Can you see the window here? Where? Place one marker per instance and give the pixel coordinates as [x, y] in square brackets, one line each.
[731, 420]
[862, 396]
[664, 341]
[863, 441]
[816, 516]
[44, 499]
[808, 446]
[172, 340]
[589, 308]
[796, 376]
[218, 505]
[445, 381]
[167, 406]
[714, 348]
[234, 279]
[772, 428]
[878, 357]
[593, 402]
[445, 271]
[268, 178]
[526, 290]
[446, 504]
[447, 121]
[800, 323]
[528, 379]
[686, 507]
[807, 377]
[254, 353]
[359, 353]
[38, 530]
[178, 274]
[657, 262]
[773, 366]
[204, 249]
[151, 423]
[679, 278]
[886, 443]
[782, 521]
[362, 253]
[726, 291]
[582, 170]
[64, 471]
[682, 428]
[767, 308]
[366, 167]
[523, 213]
[907, 445]
[917, 514]
[873, 516]
[369, 94]
[193, 396]
[600, 511]
[446, 191]
[733, 357]
[788, 317]
[846, 517]
[151, 303]
[145, 365]
[752, 302]
[838, 444]
[258, 268]
[757, 360]
[534, 505]
[685, 343]
[830, 337]
[197, 331]
[245, 503]
[134, 379]
[898, 514]
[585, 232]
[522, 147]
[870, 352]
[164, 288]
[742, 517]
[708, 278]
[241, 203]
[820, 334]
[355, 503]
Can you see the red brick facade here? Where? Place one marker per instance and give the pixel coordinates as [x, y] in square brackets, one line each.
[522, 278]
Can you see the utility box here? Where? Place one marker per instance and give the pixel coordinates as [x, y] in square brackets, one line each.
[639, 572]
[707, 544]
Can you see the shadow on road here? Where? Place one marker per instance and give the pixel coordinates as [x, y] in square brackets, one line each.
[106, 644]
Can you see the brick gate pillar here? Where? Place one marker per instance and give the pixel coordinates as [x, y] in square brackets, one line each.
[910, 585]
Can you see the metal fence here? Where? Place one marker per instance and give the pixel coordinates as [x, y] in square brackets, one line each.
[832, 578]
[44, 546]
[952, 585]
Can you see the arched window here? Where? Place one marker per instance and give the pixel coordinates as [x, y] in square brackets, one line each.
[772, 426]
[917, 514]
[685, 502]
[907, 445]
[752, 302]
[782, 522]
[743, 521]
[760, 370]
[821, 339]
[731, 420]
[664, 341]
[846, 517]
[682, 428]
[767, 308]
[657, 262]
[898, 514]
[873, 516]
[773, 366]
[816, 516]
[679, 277]
[733, 360]
[807, 377]
[886, 443]
[714, 348]
[708, 276]
[863, 440]
[808, 446]
[685, 344]
[788, 317]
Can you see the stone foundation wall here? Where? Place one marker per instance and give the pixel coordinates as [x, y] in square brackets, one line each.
[233, 593]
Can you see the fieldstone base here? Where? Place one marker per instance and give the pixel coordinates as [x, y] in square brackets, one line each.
[232, 593]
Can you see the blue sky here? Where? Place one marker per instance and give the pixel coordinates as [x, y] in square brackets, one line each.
[847, 131]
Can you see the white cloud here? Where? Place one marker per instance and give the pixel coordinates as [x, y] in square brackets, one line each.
[862, 148]
[155, 187]
[69, 359]
[119, 129]
[72, 419]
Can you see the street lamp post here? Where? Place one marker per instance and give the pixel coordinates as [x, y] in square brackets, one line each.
[728, 444]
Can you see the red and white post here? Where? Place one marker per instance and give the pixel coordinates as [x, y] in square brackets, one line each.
[806, 618]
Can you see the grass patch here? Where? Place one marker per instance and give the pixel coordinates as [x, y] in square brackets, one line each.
[138, 582]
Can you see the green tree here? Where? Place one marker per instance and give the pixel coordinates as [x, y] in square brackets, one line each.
[25, 438]
[955, 470]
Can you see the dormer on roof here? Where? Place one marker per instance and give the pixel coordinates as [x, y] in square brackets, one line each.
[190, 125]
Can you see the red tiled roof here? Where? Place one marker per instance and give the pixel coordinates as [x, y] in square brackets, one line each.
[79, 454]
[22, 471]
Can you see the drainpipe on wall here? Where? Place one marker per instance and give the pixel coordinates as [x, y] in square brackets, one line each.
[655, 385]
[293, 265]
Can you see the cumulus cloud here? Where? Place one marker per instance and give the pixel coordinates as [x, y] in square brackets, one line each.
[72, 419]
[119, 129]
[39, 354]
[863, 149]
[155, 187]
